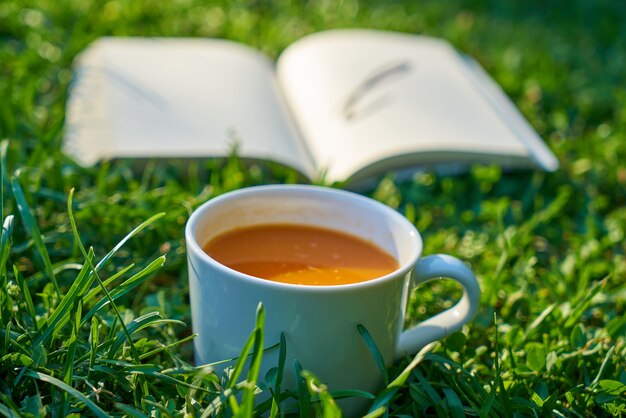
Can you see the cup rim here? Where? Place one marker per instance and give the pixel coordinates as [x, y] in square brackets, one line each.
[194, 247]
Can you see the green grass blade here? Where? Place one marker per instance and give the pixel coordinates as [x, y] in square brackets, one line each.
[73, 392]
[33, 230]
[7, 338]
[584, 303]
[392, 388]
[95, 273]
[505, 401]
[130, 235]
[605, 362]
[455, 407]
[239, 364]
[94, 335]
[487, 406]
[542, 316]
[5, 248]
[130, 411]
[167, 347]
[83, 281]
[17, 359]
[282, 355]
[10, 339]
[111, 334]
[152, 318]
[80, 284]
[376, 355]
[266, 405]
[351, 393]
[114, 376]
[61, 313]
[8, 408]
[376, 413]
[325, 401]
[247, 403]
[304, 398]
[125, 287]
[27, 297]
[432, 394]
[71, 352]
[216, 405]
[169, 379]
[158, 409]
[94, 292]
[9, 413]
[238, 369]
[5, 243]
[4, 145]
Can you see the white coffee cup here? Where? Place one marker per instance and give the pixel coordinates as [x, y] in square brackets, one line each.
[319, 322]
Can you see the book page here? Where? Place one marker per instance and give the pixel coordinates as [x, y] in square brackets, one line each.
[370, 98]
[179, 98]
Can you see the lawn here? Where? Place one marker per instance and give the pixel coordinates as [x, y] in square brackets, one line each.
[548, 249]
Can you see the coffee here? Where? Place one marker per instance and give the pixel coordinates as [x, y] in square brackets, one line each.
[300, 254]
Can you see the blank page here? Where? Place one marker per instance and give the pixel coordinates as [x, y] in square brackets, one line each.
[178, 98]
[364, 96]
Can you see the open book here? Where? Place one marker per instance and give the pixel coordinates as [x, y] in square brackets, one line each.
[349, 103]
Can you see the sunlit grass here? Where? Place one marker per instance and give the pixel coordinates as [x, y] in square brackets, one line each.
[548, 249]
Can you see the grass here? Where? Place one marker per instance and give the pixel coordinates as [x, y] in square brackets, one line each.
[94, 319]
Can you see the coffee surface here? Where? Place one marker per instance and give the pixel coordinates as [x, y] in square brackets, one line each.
[300, 254]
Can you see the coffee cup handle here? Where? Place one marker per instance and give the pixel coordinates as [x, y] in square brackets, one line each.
[450, 320]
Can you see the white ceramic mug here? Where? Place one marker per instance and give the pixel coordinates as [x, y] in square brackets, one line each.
[319, 322]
